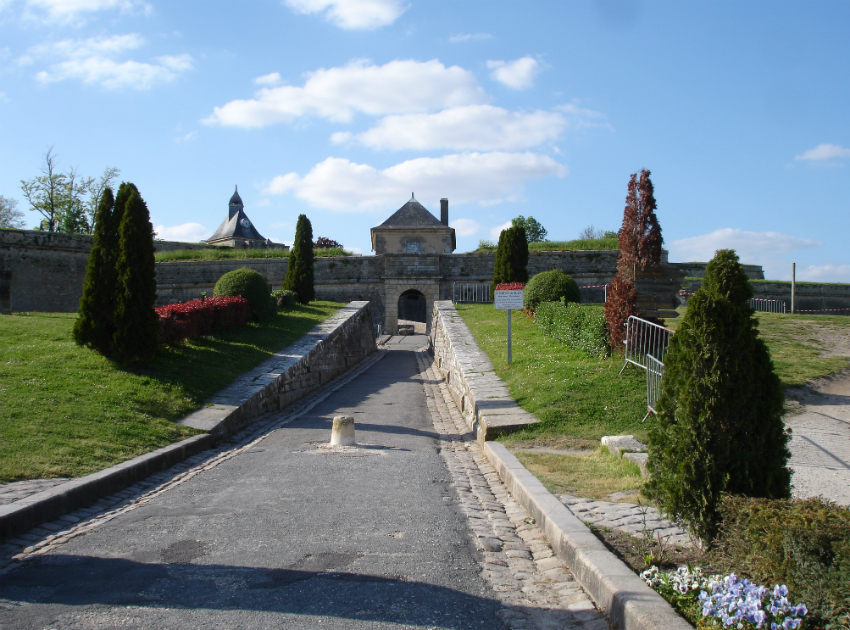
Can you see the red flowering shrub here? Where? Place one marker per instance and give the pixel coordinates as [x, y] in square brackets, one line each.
[510, 286]
[201, 318]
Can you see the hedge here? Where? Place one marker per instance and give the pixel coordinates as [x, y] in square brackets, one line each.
[579, 327]
[201, 318]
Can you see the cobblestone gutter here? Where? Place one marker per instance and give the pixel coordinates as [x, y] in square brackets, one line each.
[479, 394]
[471, 381]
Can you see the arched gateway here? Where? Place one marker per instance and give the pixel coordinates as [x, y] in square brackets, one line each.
[411, 241]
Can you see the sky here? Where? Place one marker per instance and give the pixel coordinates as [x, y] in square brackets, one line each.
[341, 109]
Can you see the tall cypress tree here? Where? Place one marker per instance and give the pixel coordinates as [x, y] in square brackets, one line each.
[299, 274]
[136, 322]
[720, 424]
[95, 324]
[511, 264]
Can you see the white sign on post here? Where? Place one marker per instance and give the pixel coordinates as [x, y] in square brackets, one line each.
[507, 300]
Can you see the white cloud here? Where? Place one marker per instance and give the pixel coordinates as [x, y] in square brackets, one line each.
[92, 61]
[469, 127]
[496, 231]
[466, 227]
[352, 14]
[189, 136]
[338, 93]
[824, 273]
[517, 74]
[748, 245]
[484, 178]
[73, 10]
[185, 233]
[825, 152]
[466, 37]
[273, 78]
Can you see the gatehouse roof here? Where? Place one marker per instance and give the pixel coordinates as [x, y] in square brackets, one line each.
[411, 214]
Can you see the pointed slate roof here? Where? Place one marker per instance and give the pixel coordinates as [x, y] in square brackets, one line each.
[411, 214]
[237, 224]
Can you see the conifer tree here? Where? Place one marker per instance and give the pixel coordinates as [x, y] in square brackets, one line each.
[95, 325]
[136, 323]
[720, 424]
[299, 274]
[511, 264]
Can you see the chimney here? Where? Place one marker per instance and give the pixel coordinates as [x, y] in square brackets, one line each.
[444, 211]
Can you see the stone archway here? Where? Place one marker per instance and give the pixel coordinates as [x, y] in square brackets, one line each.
[411, 306]
[396, 288]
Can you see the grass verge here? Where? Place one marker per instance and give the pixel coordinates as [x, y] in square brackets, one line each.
[66, 411]
[564, 246]
[801, 346]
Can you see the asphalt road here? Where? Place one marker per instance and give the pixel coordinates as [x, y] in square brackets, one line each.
[284, 535]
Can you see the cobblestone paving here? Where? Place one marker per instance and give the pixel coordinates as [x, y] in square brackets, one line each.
[537, 590]
[636, 520]
[50, 535]
[17, 490]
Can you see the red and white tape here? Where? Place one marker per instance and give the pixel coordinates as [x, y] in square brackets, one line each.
[822, 310]
[593, 286]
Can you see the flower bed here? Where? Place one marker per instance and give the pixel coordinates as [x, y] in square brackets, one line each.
[714, 601]
[200, 318]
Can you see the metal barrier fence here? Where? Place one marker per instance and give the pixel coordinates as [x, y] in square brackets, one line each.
[645, 338]
[767, 306]
[654, 373]
[471, 292]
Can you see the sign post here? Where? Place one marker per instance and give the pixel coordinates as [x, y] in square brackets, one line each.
[507, 297]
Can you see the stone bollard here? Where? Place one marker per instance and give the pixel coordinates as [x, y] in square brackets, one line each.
[342, 433]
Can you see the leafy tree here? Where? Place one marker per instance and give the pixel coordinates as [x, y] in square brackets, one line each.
[511, 264]
[324, 242]
[719, 424]
[299, 273]
[10, 216]
[621, 303]
[136, 323]
[95, 325]
[534, 231]
[59, 197]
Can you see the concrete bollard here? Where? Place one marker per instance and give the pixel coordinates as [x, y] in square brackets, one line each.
[342, 433]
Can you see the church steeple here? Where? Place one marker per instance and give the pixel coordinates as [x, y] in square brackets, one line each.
[235, 203]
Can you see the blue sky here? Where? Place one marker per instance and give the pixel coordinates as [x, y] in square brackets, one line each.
[339, 109]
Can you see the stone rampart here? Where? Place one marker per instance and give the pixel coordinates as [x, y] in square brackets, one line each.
[479, 394]
[338, 343]
[809, 296]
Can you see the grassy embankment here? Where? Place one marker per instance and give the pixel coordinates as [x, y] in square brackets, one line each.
[579, 399]
[227, 253]
[564, 246]
[65, 411]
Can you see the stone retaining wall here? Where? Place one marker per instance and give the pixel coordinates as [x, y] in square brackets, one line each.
[809, 296]
[338, 343]
[479, 394]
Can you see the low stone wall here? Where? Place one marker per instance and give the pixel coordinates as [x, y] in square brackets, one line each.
[338, 343]
[479, 394]
[812, 297]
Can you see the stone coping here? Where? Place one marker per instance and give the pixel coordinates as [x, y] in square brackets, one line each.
[232, 409]
[480, 395]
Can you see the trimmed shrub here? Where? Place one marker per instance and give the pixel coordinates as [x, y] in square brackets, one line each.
[550, 286]
[299, 273]
[136, 324]
[803, 544]
[284, 299]
[719, 426]
[248, 284]
[581, 327]
[95, 325]
[201, 318]
[511, 264]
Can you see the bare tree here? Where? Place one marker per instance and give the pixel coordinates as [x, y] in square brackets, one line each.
[44, 193]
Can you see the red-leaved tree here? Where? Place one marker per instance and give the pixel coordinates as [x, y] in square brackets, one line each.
[640, 241]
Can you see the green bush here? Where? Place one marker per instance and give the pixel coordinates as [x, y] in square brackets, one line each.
[577, 326]
[251, 286]
[804, 544]
[719, 426]
[284, 299]
[550, 286]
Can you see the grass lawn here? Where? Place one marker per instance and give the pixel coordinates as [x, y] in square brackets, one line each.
[800, 345]
[578, 399]
[563, 246]
[65, 411]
